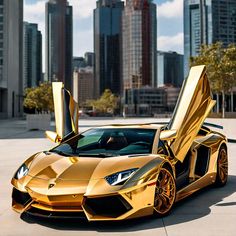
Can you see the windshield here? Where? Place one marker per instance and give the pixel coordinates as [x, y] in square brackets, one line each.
[109, 142]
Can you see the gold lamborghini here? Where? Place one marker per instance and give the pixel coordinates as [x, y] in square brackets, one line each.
[121, 172]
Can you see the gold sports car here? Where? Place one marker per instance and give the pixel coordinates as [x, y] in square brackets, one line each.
[121, 172]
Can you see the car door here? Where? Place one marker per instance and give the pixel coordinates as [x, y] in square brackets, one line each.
[192, 108]
[66, 113]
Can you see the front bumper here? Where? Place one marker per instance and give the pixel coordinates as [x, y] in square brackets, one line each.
[126, 204]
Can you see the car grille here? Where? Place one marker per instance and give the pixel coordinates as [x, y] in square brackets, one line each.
[21, 197]
[54, 214]
[111, 206]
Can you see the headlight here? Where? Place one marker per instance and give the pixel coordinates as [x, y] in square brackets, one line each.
[120, 177]
[22, 171]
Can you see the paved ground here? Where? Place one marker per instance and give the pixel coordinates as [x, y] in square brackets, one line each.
[210, 212]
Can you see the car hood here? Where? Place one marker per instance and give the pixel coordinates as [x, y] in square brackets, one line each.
[55, 174]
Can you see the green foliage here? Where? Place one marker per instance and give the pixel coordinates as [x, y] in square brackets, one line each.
[221, 65]
[39, 98]
[107, 103]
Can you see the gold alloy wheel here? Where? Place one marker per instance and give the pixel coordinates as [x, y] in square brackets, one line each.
[165, 192]
[222, 167]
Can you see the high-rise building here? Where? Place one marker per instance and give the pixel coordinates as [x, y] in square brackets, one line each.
[11, 29]
[207, 22]
[82, 62]
[83, 85]
[139, 29]
[89, 58]
[32, 55]
[107, 46]
[78, 62]
[59, 42]
[170, 68]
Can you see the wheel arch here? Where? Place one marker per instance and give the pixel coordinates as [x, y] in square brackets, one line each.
[169, 167]
[223, 144]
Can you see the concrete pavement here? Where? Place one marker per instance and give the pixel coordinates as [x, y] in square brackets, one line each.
[209, 212]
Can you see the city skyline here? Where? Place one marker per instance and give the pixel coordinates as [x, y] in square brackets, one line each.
[170, 23]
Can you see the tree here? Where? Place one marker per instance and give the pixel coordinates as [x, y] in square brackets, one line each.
[39, 98]
[221, 68]
[107, 103]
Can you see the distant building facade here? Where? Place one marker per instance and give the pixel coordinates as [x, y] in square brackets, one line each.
[148, 101]
[170, 68]
[107, 46]
[78, 62]
[172, 94]
[59, 42]
[11, 35]
[83, 81]
[32, 55]
[139, 31]
[82, 62]
[206, 22]
[89, 59]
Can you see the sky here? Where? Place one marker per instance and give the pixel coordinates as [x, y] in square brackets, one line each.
[169, 18]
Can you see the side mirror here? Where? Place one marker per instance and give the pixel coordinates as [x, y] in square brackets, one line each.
[53, 136]
[167, 135]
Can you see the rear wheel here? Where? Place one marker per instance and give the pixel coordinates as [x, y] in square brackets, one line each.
[222, 167]
[165, 192]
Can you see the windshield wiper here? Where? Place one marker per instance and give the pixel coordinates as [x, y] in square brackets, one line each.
[61, 152]
[102, 154]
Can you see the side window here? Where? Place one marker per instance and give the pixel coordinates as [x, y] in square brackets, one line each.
[161, 149]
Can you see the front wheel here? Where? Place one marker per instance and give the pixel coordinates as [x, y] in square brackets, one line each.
[165, 192]
[222, 167]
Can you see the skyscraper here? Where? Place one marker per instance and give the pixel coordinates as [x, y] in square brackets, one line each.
[89, 58]
[32, 55]
[170, 68]
[107, 45]
[59, 42]
[11, 28]
[139, 28]
[206, 22]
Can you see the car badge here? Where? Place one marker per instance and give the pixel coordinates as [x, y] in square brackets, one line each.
[51, 185]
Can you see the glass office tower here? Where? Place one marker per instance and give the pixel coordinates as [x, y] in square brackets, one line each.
[207, 22]
[59, 42]
[32, 55]
[107, 46]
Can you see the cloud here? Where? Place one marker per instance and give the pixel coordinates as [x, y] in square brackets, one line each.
[170, 9]
[83, 8]
[171, 43]
[35, 13]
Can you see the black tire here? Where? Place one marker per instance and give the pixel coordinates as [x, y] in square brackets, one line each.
[222, 167]
[165, 193]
